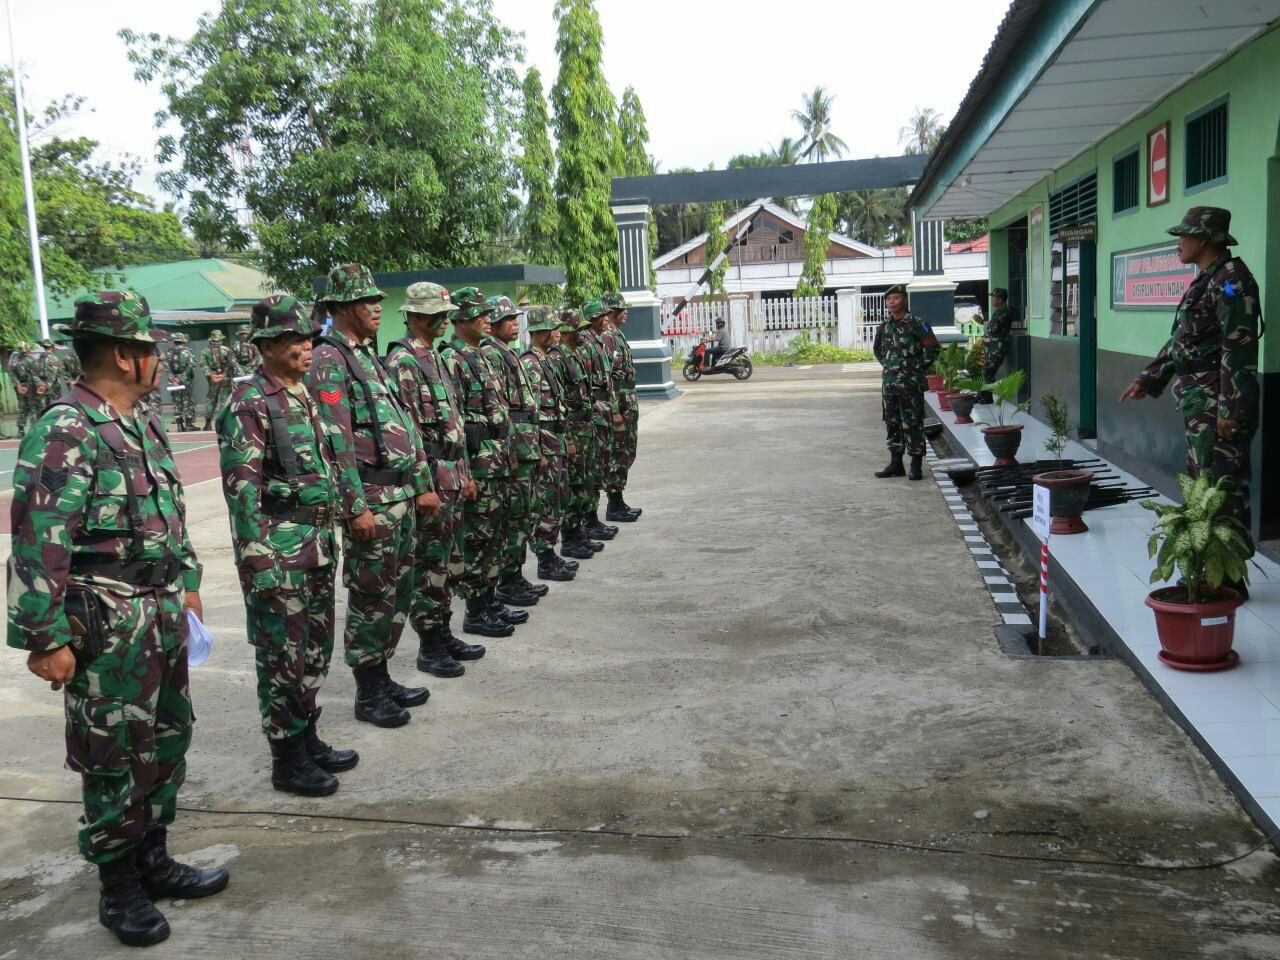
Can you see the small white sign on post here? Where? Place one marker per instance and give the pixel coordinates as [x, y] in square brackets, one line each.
[1041, 520]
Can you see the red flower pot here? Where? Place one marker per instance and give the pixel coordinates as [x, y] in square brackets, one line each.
[944, 400]
[1195, 636]
[936, 381]
[1068, 493]
[1003, 443]
[962, 405]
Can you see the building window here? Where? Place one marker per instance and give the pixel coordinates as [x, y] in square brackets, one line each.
[1124, 183]
[1064, 290]
[1206, 163]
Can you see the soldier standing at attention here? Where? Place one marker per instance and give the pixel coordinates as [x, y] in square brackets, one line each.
[218, 368]
[53, 369]
[100, 579]
[1212, 358]
[244, 355]
[20, 371]
[624, 387]
[607, 416]
[181, 364]
[996, 332]
[552, 484]
[279, 477]
[575, 379]
[905, 347]
[71, 367]
[522, 411]
[427, 391]
[383, 479]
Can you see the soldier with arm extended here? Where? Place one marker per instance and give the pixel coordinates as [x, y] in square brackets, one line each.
[624, 387]
[279, 478]
[100, 578]
[427, 392]
[905, 347]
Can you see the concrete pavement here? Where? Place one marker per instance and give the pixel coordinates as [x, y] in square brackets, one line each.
[742, 722]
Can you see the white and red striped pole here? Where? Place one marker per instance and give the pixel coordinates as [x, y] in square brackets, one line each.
[1044, 592]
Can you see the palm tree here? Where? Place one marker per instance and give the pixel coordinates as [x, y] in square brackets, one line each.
[814, 118]
[870, 215]
[787, 152]
[922, 132]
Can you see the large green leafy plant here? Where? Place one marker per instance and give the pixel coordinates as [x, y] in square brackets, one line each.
[1194, 539]
[1004, 394]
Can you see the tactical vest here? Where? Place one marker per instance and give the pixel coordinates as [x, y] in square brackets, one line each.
[356, 371]
[437, 448]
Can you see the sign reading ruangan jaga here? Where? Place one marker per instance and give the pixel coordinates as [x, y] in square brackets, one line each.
[1149, 277]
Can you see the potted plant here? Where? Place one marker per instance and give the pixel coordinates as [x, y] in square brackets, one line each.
[1068, 488]
[948, 365]
[964, 397]
[1002, 438]
[1195, 619]
[935, 379]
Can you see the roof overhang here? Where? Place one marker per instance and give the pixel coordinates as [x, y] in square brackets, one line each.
[1061, 76]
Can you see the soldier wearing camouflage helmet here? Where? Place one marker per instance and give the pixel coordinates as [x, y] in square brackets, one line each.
[279, 478]
[384, 479]
[1212, 358]
[573, 369]
[51, 367]
[219, 367]
[244, 355]
[624, 387]
[180, 367]
[905, 347]
[101, 576]
[429, 393]
[32, 391]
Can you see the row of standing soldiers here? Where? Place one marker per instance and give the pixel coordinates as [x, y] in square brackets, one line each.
[221, 365]
[39, 377]
[439, 468]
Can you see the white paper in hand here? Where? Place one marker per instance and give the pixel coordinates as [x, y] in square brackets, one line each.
[199, 640]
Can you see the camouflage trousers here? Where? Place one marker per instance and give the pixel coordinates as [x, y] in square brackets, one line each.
[624, 442]
[184, 404]
[992, 359]
[219, 394]
[552, 495]
[129, 724]
[379, 578]
[292, 636]
[1226, 458]
[904, 423]
[582, 493]
[482, 527]
[31, 405]
[439, 560]
[520, 516]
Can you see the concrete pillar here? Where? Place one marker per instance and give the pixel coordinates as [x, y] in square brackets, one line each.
[848, 316]
[739, 315]
[931, 294]
[644, 310]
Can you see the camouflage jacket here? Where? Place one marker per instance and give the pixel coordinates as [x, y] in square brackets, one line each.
[574, 385]
[70, 500]
[245, 359]
[484, 409]
[905, 349]
[181, 366]
[71, 367]
[999, 327]
[540, 371]
[522, 403]
[599, 375]
[216, 361]
[1213, 347]
[368, 427]
[621, 361]
[427, 391]
[40, 374]
[259, 490]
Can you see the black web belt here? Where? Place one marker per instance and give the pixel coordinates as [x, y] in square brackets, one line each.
[140, 573]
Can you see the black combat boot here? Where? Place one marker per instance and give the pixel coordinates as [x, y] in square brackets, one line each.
[163, 876]
[894, 469]
[208, 424]
[373, 700]
[573, 544]
[619, 511]
[635, 511]
[595, 528]
[537, 589]
[123, 907]
[477, 619]
[549, 569]
[404, 696]
[460, 649]
[510, 591]
[323, 755]
[503, 614]
[434, 657]
[293, 770]
[916, 472]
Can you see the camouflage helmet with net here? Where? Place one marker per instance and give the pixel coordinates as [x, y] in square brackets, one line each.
[593, 309]
[470, 303]
[541, 319]
[348, 283]
[503, 308]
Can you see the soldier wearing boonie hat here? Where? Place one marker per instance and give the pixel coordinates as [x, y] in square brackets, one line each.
[180, 370]
[1212, 358]
[384, 480]
[100, 576]
[624, 387]
[219, 368]
[244, 355]
[607, 415]
[427, 391]
[573, 366]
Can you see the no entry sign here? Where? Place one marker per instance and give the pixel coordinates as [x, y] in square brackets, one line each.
[1158, 166]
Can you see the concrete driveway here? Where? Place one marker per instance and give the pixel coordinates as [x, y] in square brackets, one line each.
[749, 729]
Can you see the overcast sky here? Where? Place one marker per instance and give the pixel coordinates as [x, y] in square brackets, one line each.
[716, 77]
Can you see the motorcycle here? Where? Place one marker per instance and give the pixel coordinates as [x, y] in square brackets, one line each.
[735, 362]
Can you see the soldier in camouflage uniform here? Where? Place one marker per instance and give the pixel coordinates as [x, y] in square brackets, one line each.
[244, 355]
[1213, 354]
[100, 578]
[384, 479]
[35, 378]
[575, 383]
[624, 388]
[905, 347]
[551, 490]
[996, 333]
[71, 367]
[53, 369]
[489, 454]
[279, 478]
[428, 392]
[608, 416]
[180, 365]
[219, 368]
[520, 517]
[19, 370]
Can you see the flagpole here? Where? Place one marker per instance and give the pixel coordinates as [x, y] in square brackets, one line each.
[37, 268]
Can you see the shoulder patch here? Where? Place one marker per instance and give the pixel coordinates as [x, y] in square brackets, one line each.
[1229, 290]
[331, 397]
[53, 480]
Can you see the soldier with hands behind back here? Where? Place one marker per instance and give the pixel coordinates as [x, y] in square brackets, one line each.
[905, 347]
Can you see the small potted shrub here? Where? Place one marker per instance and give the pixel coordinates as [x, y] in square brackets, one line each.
[1068, 489]
[948, 365]
[1195, 619]
[964, 397]
[1002, 438]
[934, 379]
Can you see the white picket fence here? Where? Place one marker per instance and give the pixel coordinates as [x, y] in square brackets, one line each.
[773, 324]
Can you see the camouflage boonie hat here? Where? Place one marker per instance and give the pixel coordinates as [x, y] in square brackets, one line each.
[427, 299]
[275, 316]
[348, 283]
[470, 303]
[242, 331]
[614, 301]
[540, 319]
[593, 309]
[217, 336]
[179, 338]
[570, 321]
[1210, 224]
[118, 314]
[897, 288]
[503, 308]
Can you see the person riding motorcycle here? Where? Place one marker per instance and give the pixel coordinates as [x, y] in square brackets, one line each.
[719, 346]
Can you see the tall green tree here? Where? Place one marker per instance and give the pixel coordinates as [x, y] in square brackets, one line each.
[814, 117]
[539, 220]
[586, 152]
[633, 134]
[370, 130]
[870, 216]
[716, 241]
[817, 238]
[678, 222]
[922, 132]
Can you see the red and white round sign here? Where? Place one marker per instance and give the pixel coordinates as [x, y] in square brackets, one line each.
[1158, 173]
